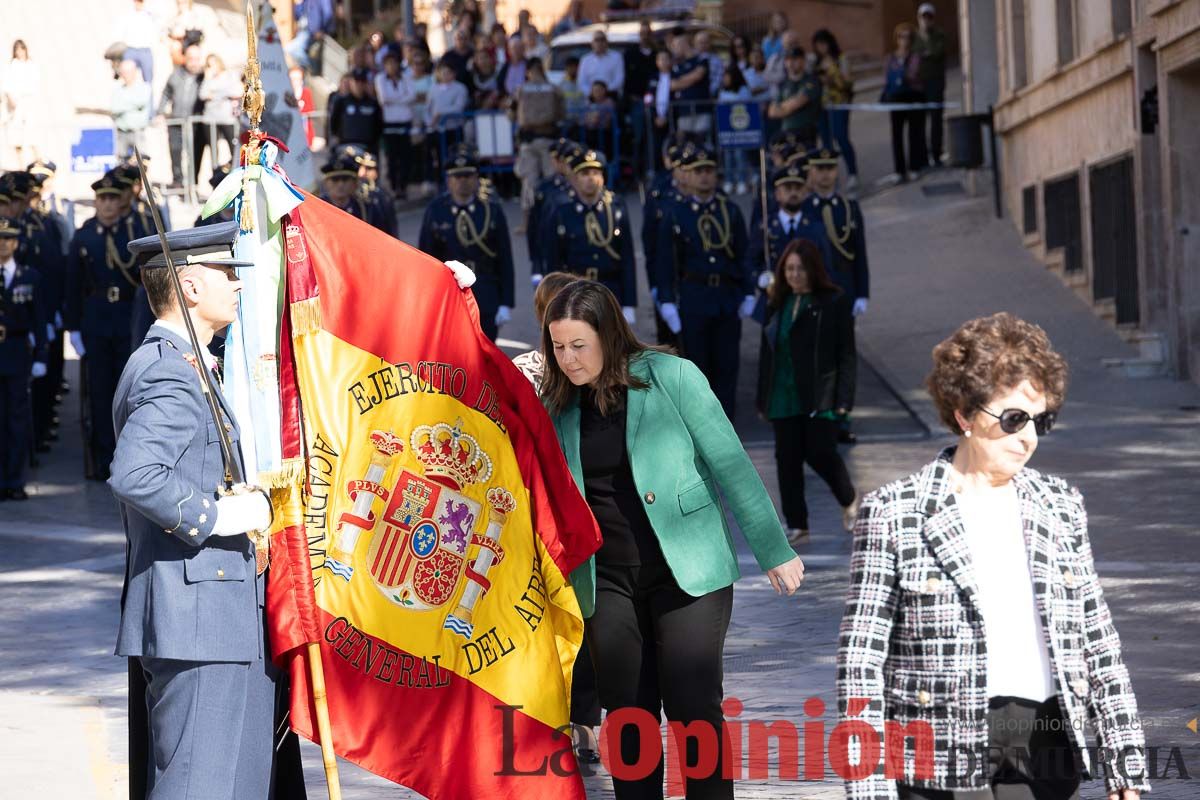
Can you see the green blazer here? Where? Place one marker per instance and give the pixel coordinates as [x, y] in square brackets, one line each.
[678, 438]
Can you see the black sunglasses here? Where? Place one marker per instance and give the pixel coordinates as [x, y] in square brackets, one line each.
[1013, 420]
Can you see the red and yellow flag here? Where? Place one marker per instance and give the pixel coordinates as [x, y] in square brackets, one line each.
[429, 552]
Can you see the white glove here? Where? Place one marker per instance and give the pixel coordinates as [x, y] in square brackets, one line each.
[630, 314]
[654, 295]
[51, 334]
[38, 371]
[536, 278]
[860, 307]
[503, 316]
[747, 306]
[764, 279]
[77, 342]
[240, 513]
[462, 274]
[670, 315]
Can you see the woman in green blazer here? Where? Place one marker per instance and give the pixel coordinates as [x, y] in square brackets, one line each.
[648, 443]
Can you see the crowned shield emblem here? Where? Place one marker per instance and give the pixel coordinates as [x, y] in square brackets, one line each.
[418, 558]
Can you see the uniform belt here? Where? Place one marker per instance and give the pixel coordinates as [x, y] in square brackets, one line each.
[485, 266]
[113, 294]
[595, 273]
[713, 279]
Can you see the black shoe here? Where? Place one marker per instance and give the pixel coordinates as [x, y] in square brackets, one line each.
[847, 437]
[17, 494]
[586, 755]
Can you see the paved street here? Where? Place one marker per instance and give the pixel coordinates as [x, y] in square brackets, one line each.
[1132, 446]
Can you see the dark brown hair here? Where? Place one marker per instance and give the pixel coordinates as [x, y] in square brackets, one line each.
[160, 290]
[591, 302]
[552, 283]
[989, 355]
[813, 266]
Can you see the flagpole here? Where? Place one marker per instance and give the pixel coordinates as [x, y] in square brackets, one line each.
[328, 757]
[253, 103]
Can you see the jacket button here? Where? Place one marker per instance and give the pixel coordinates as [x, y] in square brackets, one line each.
[649, 498]
[932, 584]
[1068, 579]
[923, 697]
[1079, 686]
[220, 573]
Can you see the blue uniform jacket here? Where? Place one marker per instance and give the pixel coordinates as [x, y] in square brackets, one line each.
[190, 595]
[571, 249]
[545, 198]
[689, 247]
[493, 270]
[102, 279]
[846, 242]
[22, 312]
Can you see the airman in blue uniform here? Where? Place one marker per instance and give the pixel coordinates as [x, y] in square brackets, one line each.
[667, 187]
[467, 224]
[703, 283]
[192, 609]
[785, 149]
[341, 189]
[22, 358]
[60, 213]
[102, 281]
[545, 197]
[40, 249]
[591, 235]
[369, 187]
[845, 242]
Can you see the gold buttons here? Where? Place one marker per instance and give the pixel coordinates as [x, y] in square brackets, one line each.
[923, 697]
[1079, 686]
[649, 498]
[1068, 579]
[932, 584]
[220, 573]
[228, 427]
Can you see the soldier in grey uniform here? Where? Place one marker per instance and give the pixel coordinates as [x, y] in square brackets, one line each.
[192, 612]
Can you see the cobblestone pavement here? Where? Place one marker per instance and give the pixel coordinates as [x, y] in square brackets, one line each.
[1132, 446]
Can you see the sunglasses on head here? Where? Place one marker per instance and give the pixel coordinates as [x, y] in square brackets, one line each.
[1013, 420]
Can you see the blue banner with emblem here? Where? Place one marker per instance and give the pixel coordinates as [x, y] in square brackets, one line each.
[739, 126]
[94, 150]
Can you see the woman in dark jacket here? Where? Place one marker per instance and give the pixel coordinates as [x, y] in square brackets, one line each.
[806, 380]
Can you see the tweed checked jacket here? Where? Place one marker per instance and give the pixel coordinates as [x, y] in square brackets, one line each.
[912, 639]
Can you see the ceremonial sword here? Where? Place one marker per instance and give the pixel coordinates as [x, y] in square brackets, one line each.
[233, 469]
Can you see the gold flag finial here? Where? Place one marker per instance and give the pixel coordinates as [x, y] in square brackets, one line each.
[252, 101]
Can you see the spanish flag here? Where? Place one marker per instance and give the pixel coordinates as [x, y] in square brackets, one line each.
[428, 550]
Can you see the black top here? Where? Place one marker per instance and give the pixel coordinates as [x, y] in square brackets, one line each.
[629, 539]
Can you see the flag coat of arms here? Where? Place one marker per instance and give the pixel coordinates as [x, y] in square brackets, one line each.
[428, 549]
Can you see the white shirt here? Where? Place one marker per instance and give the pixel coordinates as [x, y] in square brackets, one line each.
[7, 270]
[1018, 661]
[609, 68]
[210, 361]
[396, 98]
[789, 222]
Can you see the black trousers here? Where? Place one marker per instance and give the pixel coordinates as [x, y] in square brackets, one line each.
[16, 427]
[106, 357]
[1030, 756]
[914, 121]
[657, 648]
[585, 699]
[398, 150]
[711, 339]
[807, 440]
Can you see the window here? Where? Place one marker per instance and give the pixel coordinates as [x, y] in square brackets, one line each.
[1065, 11]
[1114, 237]
[1019, 65]
[1060, 199]
[1122, 17]
[1029, 210]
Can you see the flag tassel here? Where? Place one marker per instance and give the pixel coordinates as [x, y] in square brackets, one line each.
[317, 672]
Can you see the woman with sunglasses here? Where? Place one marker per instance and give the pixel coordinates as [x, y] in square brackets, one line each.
[974, 616]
